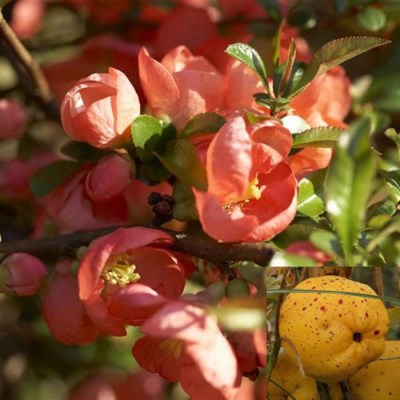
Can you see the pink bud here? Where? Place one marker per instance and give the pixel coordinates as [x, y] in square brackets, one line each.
[23, 273]
[99, 109]
[27, 17]
[13, 119]
[108, 179]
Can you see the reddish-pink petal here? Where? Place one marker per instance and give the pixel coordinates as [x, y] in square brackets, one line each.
[108, 179]
[158, 355]
[272, 144]
[309, 160]
[158, 85]
[135, 303]
[229, 161]
[64, 313]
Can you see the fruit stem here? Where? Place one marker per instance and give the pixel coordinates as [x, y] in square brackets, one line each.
[323, 391]
[345, 390]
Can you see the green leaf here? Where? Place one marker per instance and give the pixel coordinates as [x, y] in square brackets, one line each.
[322, 136]
[371, 18]
[297, 231]
[334, 53]
[150, 135]
[82, 151]
[208, 122]
[185, 203]
[146, 133]
[287, 72]
[182, 160]
[152, 172]
[282, 259]
[308, 202]
[51, 176]
[349, 183]
[327, 242]
[249, 56]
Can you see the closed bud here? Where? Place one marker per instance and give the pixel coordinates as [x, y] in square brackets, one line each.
[22, 274]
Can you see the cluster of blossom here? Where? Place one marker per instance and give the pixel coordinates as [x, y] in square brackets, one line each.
[131, 276]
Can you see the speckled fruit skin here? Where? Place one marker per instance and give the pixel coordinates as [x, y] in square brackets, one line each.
[334, 334]
[379, 380]
[288, 375]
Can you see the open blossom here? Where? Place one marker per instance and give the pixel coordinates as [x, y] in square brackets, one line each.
[116, 263]
[180, 86]
[183, 343]
[99, 109]
[251, 193]
[22, 273]
[13, 119]
[63, 311]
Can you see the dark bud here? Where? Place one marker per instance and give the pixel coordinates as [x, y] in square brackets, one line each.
[154, 198]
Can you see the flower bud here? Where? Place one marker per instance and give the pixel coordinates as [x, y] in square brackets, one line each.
[99, 109]
[22, 273]
[13, 119]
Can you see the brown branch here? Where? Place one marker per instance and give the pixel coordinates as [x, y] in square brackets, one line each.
[215, 252]
[30, 66]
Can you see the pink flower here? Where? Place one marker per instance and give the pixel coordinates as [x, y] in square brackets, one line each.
[99, 109]
[114, 263]
[252, 192]
[64, 312]
[22, 273]
[93, 197]
[27, 17]
[193, 85]
[183, 343]
[327, 96]
[13, 119]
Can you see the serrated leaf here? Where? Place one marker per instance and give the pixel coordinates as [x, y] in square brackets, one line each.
[322, 136]
[207, 122]
[51, 176]
[308, 202]
[349, 183]
[182, 160]
[249, 56]
[371, 18]
[335, 53]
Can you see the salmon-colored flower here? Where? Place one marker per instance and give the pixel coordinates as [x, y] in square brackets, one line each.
[307, 249]
[64, 312]
[13, 119]
[183, 343]
[22, 273]
[115, 262]
[99, 109]
[193, 85]
[251, 193]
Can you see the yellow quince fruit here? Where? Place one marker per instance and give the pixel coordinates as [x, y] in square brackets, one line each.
[380, 379]
[333, 335]
[287, 375]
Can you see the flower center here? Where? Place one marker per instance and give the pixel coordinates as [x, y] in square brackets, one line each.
[119, 271]
[252, 192]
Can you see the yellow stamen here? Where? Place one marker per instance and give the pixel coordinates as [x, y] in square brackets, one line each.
[252, 192]
[119, 271]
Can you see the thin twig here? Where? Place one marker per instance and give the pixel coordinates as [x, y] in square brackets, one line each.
[66, 245]
[40, 86]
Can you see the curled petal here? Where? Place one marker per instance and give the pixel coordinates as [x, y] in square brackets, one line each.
[309, 160]
[229, 161]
